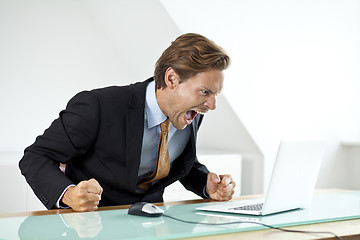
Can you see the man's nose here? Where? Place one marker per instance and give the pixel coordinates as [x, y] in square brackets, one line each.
[211, 103]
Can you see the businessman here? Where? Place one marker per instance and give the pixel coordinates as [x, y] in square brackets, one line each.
[114, 142]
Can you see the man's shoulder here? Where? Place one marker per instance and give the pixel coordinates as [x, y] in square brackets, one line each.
[122, 91]
[121, 96]
[138, 86]
[113, 94]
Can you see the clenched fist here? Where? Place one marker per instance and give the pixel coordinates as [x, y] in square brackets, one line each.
[83, 197]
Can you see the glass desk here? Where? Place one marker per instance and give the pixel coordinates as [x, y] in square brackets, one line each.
[112, 223]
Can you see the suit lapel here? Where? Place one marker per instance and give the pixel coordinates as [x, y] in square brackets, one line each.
[134, 134]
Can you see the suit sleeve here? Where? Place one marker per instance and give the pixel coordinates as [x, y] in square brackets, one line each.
[69, 136]
[196, 179]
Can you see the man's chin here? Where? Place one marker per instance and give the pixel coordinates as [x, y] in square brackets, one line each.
[179, 126]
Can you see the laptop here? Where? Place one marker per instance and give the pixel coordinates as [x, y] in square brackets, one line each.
[291, 185]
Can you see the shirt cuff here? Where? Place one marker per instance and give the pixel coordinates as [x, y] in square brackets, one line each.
[205, 193]
[57, 204]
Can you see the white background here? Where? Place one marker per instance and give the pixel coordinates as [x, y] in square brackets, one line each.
[294, 72]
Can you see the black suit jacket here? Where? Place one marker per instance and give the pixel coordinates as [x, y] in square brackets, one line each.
[99, 135]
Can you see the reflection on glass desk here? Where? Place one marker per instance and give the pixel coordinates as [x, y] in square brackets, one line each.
[117, 224]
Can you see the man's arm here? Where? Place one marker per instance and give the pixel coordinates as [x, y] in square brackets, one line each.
[69, 136]
[196, 179]
[207, 184]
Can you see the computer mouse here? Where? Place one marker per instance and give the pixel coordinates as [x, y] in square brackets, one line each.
[145, 209]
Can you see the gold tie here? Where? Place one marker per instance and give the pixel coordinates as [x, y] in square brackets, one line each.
[162, 167]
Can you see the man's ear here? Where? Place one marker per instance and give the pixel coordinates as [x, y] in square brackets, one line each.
[171, 78]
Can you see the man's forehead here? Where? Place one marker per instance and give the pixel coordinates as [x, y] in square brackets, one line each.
[212, 80]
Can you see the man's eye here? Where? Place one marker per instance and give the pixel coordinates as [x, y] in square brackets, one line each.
[205, 92]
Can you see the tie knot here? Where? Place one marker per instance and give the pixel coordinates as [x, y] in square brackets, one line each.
[165, 125]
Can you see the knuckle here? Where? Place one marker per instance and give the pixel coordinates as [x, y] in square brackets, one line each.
[82, 185]
[81, 194]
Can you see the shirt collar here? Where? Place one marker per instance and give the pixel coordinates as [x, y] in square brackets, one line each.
[153, 113]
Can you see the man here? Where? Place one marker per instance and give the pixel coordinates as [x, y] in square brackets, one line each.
[108, 137]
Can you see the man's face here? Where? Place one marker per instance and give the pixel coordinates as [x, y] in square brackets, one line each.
[195, 95]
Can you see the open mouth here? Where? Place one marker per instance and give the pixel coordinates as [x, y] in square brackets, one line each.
[190, 115]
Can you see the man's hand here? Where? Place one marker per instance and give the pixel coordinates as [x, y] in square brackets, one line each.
[221, 187]
[83, 197]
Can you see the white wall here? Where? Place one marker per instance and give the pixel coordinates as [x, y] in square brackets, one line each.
[50, 50]
[294, 74]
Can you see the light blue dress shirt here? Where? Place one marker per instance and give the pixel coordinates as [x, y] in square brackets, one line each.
[177, 139]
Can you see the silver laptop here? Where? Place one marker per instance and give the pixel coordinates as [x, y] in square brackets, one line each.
[291, 185]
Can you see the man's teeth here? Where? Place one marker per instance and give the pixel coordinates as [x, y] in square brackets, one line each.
[200, 112]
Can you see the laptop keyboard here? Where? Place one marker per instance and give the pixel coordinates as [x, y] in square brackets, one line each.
[252, 207]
